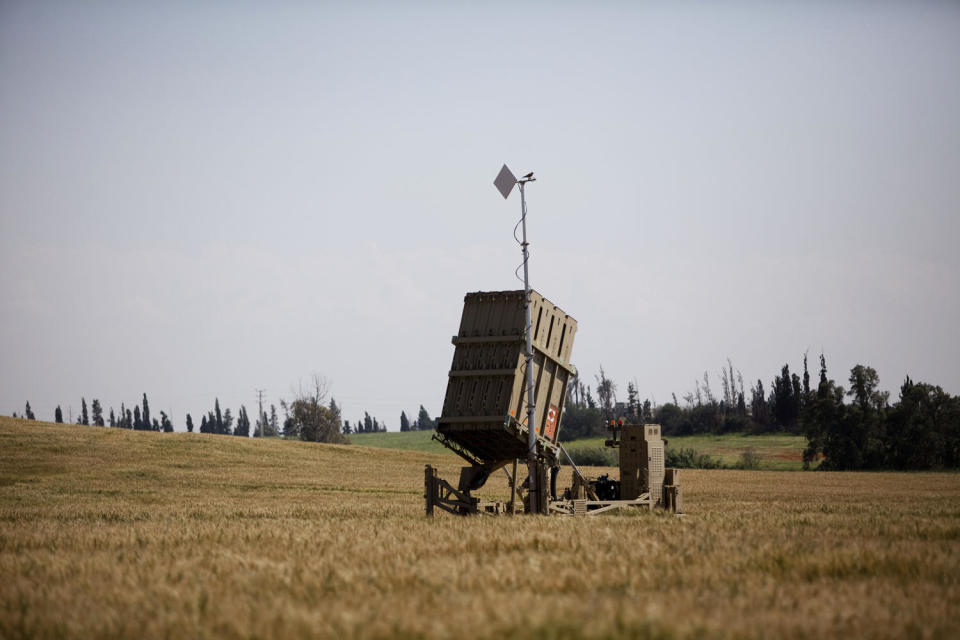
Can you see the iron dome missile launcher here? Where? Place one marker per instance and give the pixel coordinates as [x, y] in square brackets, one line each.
[485, 419]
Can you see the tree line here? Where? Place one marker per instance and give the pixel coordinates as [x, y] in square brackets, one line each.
[308, 416]
[367, 425]
[138, 418]
[423, 422]
[846, 429]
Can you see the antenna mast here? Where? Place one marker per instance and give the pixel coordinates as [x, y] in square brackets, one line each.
[504, 182]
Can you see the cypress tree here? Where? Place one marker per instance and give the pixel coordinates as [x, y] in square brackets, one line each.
[189, 424]
[241, 426]
[146, 412]
[58, 415]
[97, 412]
[274, 420]
[424, 421]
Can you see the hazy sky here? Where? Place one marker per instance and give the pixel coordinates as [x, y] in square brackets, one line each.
[201, 199]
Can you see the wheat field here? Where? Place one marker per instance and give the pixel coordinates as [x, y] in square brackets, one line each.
[110, 533]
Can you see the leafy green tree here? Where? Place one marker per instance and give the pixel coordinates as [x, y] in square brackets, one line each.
[784, 399]
[606, 392]
[581, 422]
[703, 418]
[924, 428]
[864, 425]
[588, 397]
[335, 410]
[572, 388]
[706, 388]
[347, 429]
[290, 427]
[822, 417]
[165, 423]
[798, 398]
[670, 417]
[58, 415]
[849, 437]
[728, 378]
[274, 421]
[633, 401]
[404, 421]
[227, 422]
[863, 388]
[204, 425]
[311, 419]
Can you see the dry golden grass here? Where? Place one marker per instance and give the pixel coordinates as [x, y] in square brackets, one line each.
[108, 533]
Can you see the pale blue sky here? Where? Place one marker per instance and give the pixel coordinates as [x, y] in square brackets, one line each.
[201, 201]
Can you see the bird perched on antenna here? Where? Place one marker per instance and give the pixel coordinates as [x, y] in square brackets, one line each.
[529, 175]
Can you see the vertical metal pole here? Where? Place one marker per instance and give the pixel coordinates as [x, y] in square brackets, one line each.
[513, 489]
[531, 407]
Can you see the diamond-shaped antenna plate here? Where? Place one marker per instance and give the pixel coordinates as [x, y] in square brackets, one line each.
[505, 181]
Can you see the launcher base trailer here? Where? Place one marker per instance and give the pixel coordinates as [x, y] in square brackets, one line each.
[440, 494]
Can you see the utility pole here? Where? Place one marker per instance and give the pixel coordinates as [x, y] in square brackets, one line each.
[260, 393]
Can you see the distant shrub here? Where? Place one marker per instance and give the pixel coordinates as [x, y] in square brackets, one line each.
[582, 422]
[749, 459]
[594, 457]
[691, 459]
